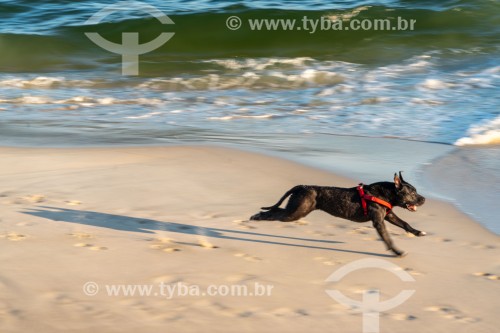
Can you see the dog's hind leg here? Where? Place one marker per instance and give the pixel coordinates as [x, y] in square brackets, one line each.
[271, 215]
[301, 203]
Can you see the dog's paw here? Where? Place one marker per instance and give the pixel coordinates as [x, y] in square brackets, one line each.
[400, 253]
[421, 233]
[255, 217]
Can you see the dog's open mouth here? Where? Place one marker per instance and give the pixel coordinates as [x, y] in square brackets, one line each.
[411, 208]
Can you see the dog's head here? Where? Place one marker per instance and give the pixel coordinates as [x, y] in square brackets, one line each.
[406, 195]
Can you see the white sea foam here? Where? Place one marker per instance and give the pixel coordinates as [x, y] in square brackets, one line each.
[253, 73]
[418, 64]
[348, 15]
[374, 100]
[263, 116]
[32, 100]
[487, 133]
[493, 70]
[44, 82]
[82, 101]
[479, 82]
[145, 116]
[435, 84]
[107, 101]
[344, 97]
[260, 63]
[417, 100]
[251, 80]
[76, 100]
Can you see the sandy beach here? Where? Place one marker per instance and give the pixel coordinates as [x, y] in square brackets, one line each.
[178, 216]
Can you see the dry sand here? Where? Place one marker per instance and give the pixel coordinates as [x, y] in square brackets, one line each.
[177, 215]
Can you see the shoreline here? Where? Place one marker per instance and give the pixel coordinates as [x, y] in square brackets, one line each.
[417, 158]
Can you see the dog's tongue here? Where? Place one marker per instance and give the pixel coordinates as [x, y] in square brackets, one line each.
[413, 208]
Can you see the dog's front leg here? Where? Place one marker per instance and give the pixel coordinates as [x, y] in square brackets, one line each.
[378, 224]
[394, 219]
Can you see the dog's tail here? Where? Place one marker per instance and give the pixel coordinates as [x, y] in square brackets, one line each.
[282, 199]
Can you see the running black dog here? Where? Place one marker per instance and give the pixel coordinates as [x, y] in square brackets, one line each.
[370, 202]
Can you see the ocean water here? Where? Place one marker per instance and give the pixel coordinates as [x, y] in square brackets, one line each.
[310, 96]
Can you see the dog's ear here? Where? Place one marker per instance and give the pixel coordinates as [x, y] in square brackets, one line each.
[401, 177]
[397, 181]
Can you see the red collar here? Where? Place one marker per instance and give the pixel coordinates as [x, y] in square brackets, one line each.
[368, 197]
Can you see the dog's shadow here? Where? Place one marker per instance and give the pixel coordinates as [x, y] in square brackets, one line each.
[148, 226]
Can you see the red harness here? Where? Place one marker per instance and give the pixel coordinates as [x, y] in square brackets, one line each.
[368, 197]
